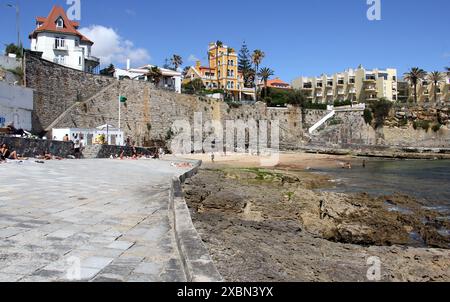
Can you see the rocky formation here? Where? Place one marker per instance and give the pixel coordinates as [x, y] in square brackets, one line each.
[265, 225]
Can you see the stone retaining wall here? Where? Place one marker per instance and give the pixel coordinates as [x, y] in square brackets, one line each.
[33, 147]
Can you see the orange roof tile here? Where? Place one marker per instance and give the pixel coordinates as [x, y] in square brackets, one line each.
[49, 24]
[277, 82]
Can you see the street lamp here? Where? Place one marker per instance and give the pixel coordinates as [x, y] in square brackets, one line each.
[16, 6]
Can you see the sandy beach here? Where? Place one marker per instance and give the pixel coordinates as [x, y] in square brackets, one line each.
[287, 161]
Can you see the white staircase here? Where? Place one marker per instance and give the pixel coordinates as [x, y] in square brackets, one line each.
[322, 121]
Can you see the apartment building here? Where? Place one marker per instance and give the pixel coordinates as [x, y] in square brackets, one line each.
[426, 91]
[221, 72]
[59, 40]
[357, 85]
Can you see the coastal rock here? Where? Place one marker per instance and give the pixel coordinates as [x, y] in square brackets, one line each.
[303, 235]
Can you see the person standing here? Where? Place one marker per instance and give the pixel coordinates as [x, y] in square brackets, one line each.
[77, 148]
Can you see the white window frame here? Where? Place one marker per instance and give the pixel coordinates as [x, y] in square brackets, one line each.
[60, 23]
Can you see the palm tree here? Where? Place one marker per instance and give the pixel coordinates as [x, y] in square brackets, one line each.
[436, 77]
[230, 51]
[265, 73]
[218, 45]
[257, 57]
[415, 75]
[176, 61]
[154, 75]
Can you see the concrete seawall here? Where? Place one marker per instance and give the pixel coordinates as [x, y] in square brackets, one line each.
[197, 262]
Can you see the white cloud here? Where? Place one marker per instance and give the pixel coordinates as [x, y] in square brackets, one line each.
[110, 47]
[193, 58]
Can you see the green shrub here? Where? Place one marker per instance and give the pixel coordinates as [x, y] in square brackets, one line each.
[403, 122]
[380, 109]
[425, 125]
[436, 127]
[368, 117]
[315, 106]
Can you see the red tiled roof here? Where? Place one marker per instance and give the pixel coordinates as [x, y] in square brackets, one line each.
[277, 82]
[49, 24]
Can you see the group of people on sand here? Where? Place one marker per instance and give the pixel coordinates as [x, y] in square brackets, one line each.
[135, 155]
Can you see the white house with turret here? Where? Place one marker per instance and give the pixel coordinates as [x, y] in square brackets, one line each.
[59, 40]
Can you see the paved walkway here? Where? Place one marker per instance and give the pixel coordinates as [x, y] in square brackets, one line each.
[97, 220]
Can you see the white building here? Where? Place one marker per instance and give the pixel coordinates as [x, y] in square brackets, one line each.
[59, 40]
[114, 136]
[16, 106]
[171, 80]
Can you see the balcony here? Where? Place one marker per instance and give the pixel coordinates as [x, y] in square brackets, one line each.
[307, 86]
[370, 88]
[330, 93]
[341, 83]
[341, 92]
[92, 59]
[370, 79]
[352, 91]
[61, 47]
[319, 94]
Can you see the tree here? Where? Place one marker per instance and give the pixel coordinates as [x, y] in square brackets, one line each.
[265, 73]
[108, 71]
[154, 75]
[415, 75]
[296, 98]
[257, 58]
[185, 71]
[218, 45]
[447, 69]
[245, 66]
[194, 86]
[167, 64]
[381, 109]
[176, 61]
[436, 78]
[14, 49]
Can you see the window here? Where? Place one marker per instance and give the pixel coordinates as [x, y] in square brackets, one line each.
[60, 23]
[60, 43]
[79, 61]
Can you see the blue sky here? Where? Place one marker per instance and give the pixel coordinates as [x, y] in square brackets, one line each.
[299, 37]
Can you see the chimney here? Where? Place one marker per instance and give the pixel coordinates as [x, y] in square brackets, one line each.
[128, 64]
[198, 64]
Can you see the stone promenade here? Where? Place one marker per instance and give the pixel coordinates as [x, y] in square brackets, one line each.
[88, 220]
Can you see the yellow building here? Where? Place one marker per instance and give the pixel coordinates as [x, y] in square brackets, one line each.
[356, 85]
[222, 73]
[426, 89]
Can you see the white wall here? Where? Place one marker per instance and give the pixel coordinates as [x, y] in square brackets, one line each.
[9, 63]
[16, 106]
[175, 81]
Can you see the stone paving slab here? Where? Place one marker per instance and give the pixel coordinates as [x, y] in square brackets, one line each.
[100, 220]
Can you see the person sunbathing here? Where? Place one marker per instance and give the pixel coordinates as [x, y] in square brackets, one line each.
[7, 154]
